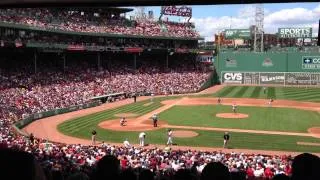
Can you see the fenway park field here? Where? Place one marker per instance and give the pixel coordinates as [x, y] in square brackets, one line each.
[291, 123]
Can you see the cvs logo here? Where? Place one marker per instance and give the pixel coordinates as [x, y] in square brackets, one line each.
[233, 76]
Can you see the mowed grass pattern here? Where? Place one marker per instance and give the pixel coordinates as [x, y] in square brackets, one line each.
[260, 118]
[82, 127]
[80, 124]
[290, 93]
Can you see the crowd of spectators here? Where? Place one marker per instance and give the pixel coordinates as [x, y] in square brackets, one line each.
[61, 161]
[27, 93]
[49, 90]
[83, 22]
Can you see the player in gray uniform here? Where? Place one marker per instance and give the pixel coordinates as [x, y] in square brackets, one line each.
[169, 134]
[234, 108]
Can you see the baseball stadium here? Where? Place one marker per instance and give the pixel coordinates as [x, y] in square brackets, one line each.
[78, 84]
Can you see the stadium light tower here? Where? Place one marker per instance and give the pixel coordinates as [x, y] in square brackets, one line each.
[140, 13]
[259, 29]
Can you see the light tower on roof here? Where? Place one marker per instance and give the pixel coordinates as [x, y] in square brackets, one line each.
[140, 14]
[259, 29]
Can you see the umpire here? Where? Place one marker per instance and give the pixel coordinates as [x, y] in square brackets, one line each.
[226, 138]
[155, 120]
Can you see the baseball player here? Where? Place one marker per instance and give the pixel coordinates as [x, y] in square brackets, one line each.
[155, 120]
[172, 91]
[234, 108]
[264, 90]
[169, 134]
[93, 137]
[270, 102]
[142, 137]
[126, 143]
[219, 100]
[123, 121]
[152, 97]
[226, 138]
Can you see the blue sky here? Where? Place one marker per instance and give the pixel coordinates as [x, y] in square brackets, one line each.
[214, 18]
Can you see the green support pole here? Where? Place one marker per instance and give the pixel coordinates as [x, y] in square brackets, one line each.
[135, 61]
[35, 62]
[167, 61]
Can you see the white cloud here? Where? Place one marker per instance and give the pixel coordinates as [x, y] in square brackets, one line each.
[295, 17]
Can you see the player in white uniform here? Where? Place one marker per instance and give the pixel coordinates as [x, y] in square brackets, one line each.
[152, 97]
[234, 108]
[270, 102]
[142, 137]
[169, 142]
[126, 144]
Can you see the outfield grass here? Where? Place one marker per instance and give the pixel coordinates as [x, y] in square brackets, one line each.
[260, 118]
[81, 127]
[291, 93]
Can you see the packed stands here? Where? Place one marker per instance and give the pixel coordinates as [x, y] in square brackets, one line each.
[23, 92]
[75, 21]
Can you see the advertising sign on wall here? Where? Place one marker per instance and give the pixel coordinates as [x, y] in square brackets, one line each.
[231, 63]
[177, 11]
[272, 78]
[304, 32]
[298, 78]
[311, 62]
[268, 78]
[237, 33]
[232, 78]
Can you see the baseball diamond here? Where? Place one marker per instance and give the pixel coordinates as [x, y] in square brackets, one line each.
[278, 128]
[118, 93]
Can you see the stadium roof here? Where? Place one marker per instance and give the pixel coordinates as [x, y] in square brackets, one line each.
[91, 3]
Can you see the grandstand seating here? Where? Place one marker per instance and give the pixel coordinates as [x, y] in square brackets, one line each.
[70, 21]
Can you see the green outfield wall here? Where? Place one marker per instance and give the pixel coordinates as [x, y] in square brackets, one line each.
[267, 62]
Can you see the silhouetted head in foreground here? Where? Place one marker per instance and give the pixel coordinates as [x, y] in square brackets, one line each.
[280, 177]
[306, 167]
[108, 167]
[19, 165]
[215, 171]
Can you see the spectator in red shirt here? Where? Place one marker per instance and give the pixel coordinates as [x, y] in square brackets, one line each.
[250, 173]
[124, 162]
[268, 173]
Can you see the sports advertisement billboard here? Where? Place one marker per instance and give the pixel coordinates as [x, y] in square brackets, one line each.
[237, 33]
[304, 32]
[311, 62]
[271, 78]
[232, 77]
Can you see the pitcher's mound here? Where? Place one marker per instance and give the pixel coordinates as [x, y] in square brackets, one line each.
[232, 115]
[315, 131]
[126, 115]
[184, 134]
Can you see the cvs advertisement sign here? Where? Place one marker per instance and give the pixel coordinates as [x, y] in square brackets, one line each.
[232, 77]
